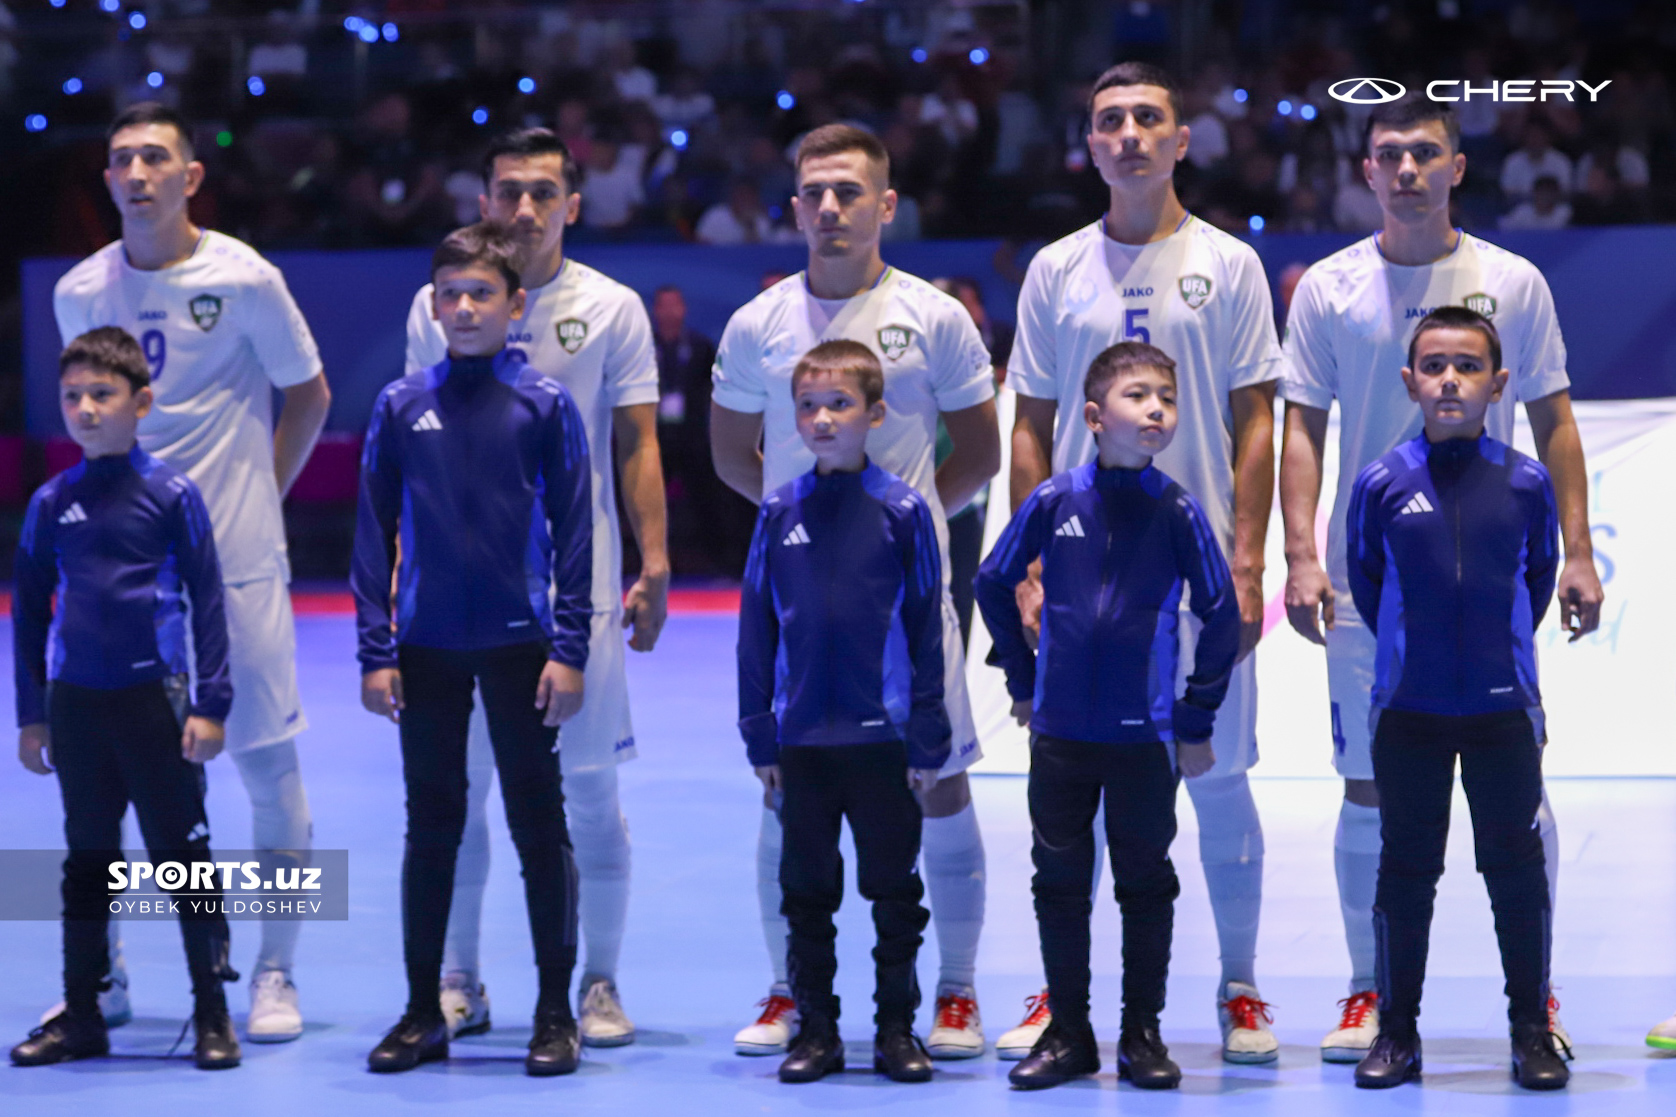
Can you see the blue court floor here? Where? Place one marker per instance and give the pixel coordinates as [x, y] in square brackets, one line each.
[693, 964]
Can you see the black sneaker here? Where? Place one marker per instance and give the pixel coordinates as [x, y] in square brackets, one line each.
[216, 1046]
[1143, 1060]
[1537, 1061]
[1393, 1059]
[1064, 1051]
[899, 1055]
[415, 1039]
[63, 1038]
[556, 1046]
[816, 1052]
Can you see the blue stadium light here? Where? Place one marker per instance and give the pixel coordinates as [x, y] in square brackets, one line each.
[678, 139]
[353, 24]
[1284, 108]
[368, 32]
[978, 56]
[57, 3]
[526, 85]
[919, 54]
[136, 20]
[256, 85]
[73, 86]
[1257, 223]
[155, 79]
[391, 32]
[35, 122]
[480, 115]
[785, 100]
[109, 5]
[1240, 96]
[1307, 112]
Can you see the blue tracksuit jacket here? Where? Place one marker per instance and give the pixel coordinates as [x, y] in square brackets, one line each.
[1453, 554]
[1118, 546]
[482, 465]
[840, 623]
[124, 542]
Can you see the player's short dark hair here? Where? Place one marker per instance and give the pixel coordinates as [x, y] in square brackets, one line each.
[844, 356]
[1407, 111]
[1458, 318]
[532, 141]
[1139, 73]
[109, 349]
[1123, 358]
[668, 289]
[487, 243]
[836, 139]
[153, 112]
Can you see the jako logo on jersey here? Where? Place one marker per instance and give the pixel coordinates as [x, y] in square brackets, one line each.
[73, 514]
[206, 311]
[1195, 290]
[894, 341]
[153, 315]
[795, 536]
[1418, 503]
[428, 422]
[1071, 528]
[572, 333]
[1481, 303]
[1136, 292]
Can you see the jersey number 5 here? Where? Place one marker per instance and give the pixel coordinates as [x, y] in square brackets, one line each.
[1134, 328]
[156, 349]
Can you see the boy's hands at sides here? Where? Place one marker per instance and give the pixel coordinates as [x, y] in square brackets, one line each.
[922, 780]
[381, 693]
[559, 692]
[202, 739]
[1194, 758]
[1022, 709]
[769, 774]
[34, 748]
[1029, 596]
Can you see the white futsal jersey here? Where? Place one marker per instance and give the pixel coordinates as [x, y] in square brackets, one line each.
[220, 332]
[591, 334]
[1347, 340]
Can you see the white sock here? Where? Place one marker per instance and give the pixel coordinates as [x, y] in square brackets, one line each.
[1356, 848]
[599, 835]
[1231, 851]
[471, 865]
[955, 882]
[280, 821]
[769, 840]
[1550, 849]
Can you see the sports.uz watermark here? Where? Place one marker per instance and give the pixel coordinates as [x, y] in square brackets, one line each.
[236, 884]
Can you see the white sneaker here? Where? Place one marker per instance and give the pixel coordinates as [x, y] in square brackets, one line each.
[114, 1005]
[1245, 1020]
[771, 1034]
[1358, 1027]
[1016, 1044]
[602, 1019]
[957, 1032]
[1663, 1036]
[1557, 1030]
[274, 1017]
[465, 1004]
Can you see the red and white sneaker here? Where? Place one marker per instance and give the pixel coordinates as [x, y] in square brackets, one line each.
[1557, 1030]
[772, 1032]
[1357, 1028]
[958, 1030]
[1245, 1020]
[1016, 1044]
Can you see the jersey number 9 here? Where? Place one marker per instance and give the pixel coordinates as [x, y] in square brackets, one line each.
[156, 349]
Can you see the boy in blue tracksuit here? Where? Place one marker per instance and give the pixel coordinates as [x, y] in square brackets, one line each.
[841, 702]
[124, 542]
[1119, 544]
[479, 465]
[1453, 547]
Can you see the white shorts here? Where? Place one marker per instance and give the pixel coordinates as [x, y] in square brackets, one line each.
[1234, 739]
[1351, 651]
[965, 750]
[262, 659]
[601, 733]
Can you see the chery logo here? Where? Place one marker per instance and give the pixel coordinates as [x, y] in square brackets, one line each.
[1378, 91]
[1366, 91]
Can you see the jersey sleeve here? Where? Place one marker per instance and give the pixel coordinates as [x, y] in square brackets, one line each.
[1008, 562]
[736, 381]
[1254, 355]
[35, 574]
[631, 364]
[373, 561]
[1033, 369]
[278, 334]
[758, 648]
[200, 571]
[1203, 567]
[1365, 543]
[961, 375]
[928, 732]
[70, 311]
[1541, 369]
[567, 492]
[1311, 370]
[426, 344]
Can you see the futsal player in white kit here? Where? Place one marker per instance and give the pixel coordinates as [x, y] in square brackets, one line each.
[1150, 271]
[591, 334]
[935, 365]
[1347, 338]
[221, 332]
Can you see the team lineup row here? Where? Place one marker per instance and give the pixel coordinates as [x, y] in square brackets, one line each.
[217, 330]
